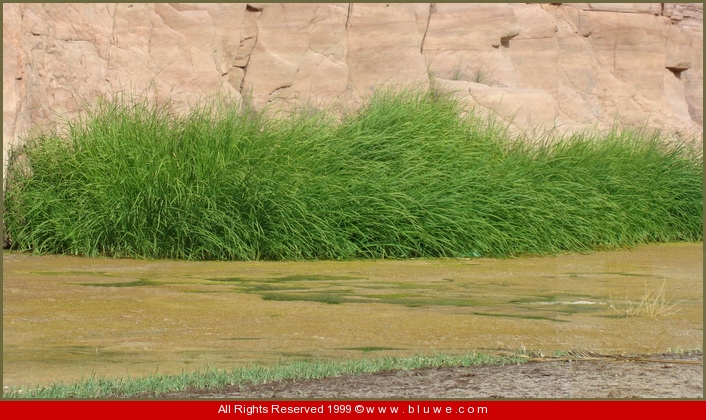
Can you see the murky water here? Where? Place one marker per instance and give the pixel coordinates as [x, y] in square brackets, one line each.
[68, 318]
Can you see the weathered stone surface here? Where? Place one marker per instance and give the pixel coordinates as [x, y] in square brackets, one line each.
[640, 8]
[468, 41]
[534, 65]
[384, 47]
[299, 54]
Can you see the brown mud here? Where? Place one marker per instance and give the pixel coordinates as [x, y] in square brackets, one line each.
[67, 318]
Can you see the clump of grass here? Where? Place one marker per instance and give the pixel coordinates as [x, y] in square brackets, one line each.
[653, 304]
[458, 72]
[154, 385]
[481, 76]
[680, 350]
[405, 176]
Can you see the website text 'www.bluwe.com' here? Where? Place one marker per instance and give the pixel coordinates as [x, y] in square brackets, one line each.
[248, 410]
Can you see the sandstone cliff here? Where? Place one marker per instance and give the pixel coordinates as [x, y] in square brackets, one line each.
[535, 65]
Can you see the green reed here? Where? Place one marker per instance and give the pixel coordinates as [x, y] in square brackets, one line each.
[405, 176]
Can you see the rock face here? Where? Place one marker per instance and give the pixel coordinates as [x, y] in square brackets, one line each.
[537, 66]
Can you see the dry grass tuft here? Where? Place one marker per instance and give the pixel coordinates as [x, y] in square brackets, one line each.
[653, 304]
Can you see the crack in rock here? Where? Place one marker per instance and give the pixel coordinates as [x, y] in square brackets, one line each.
[432, 9]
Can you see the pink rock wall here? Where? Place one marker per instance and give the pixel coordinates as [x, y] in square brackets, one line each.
[537, 66]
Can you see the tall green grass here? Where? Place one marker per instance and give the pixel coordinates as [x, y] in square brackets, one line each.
[405, 176]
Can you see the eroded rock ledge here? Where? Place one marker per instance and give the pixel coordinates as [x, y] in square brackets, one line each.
[536, 65]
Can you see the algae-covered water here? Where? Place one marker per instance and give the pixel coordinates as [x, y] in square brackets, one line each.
[67, 318]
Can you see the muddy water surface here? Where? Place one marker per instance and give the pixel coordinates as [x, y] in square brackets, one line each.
[68, 318]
